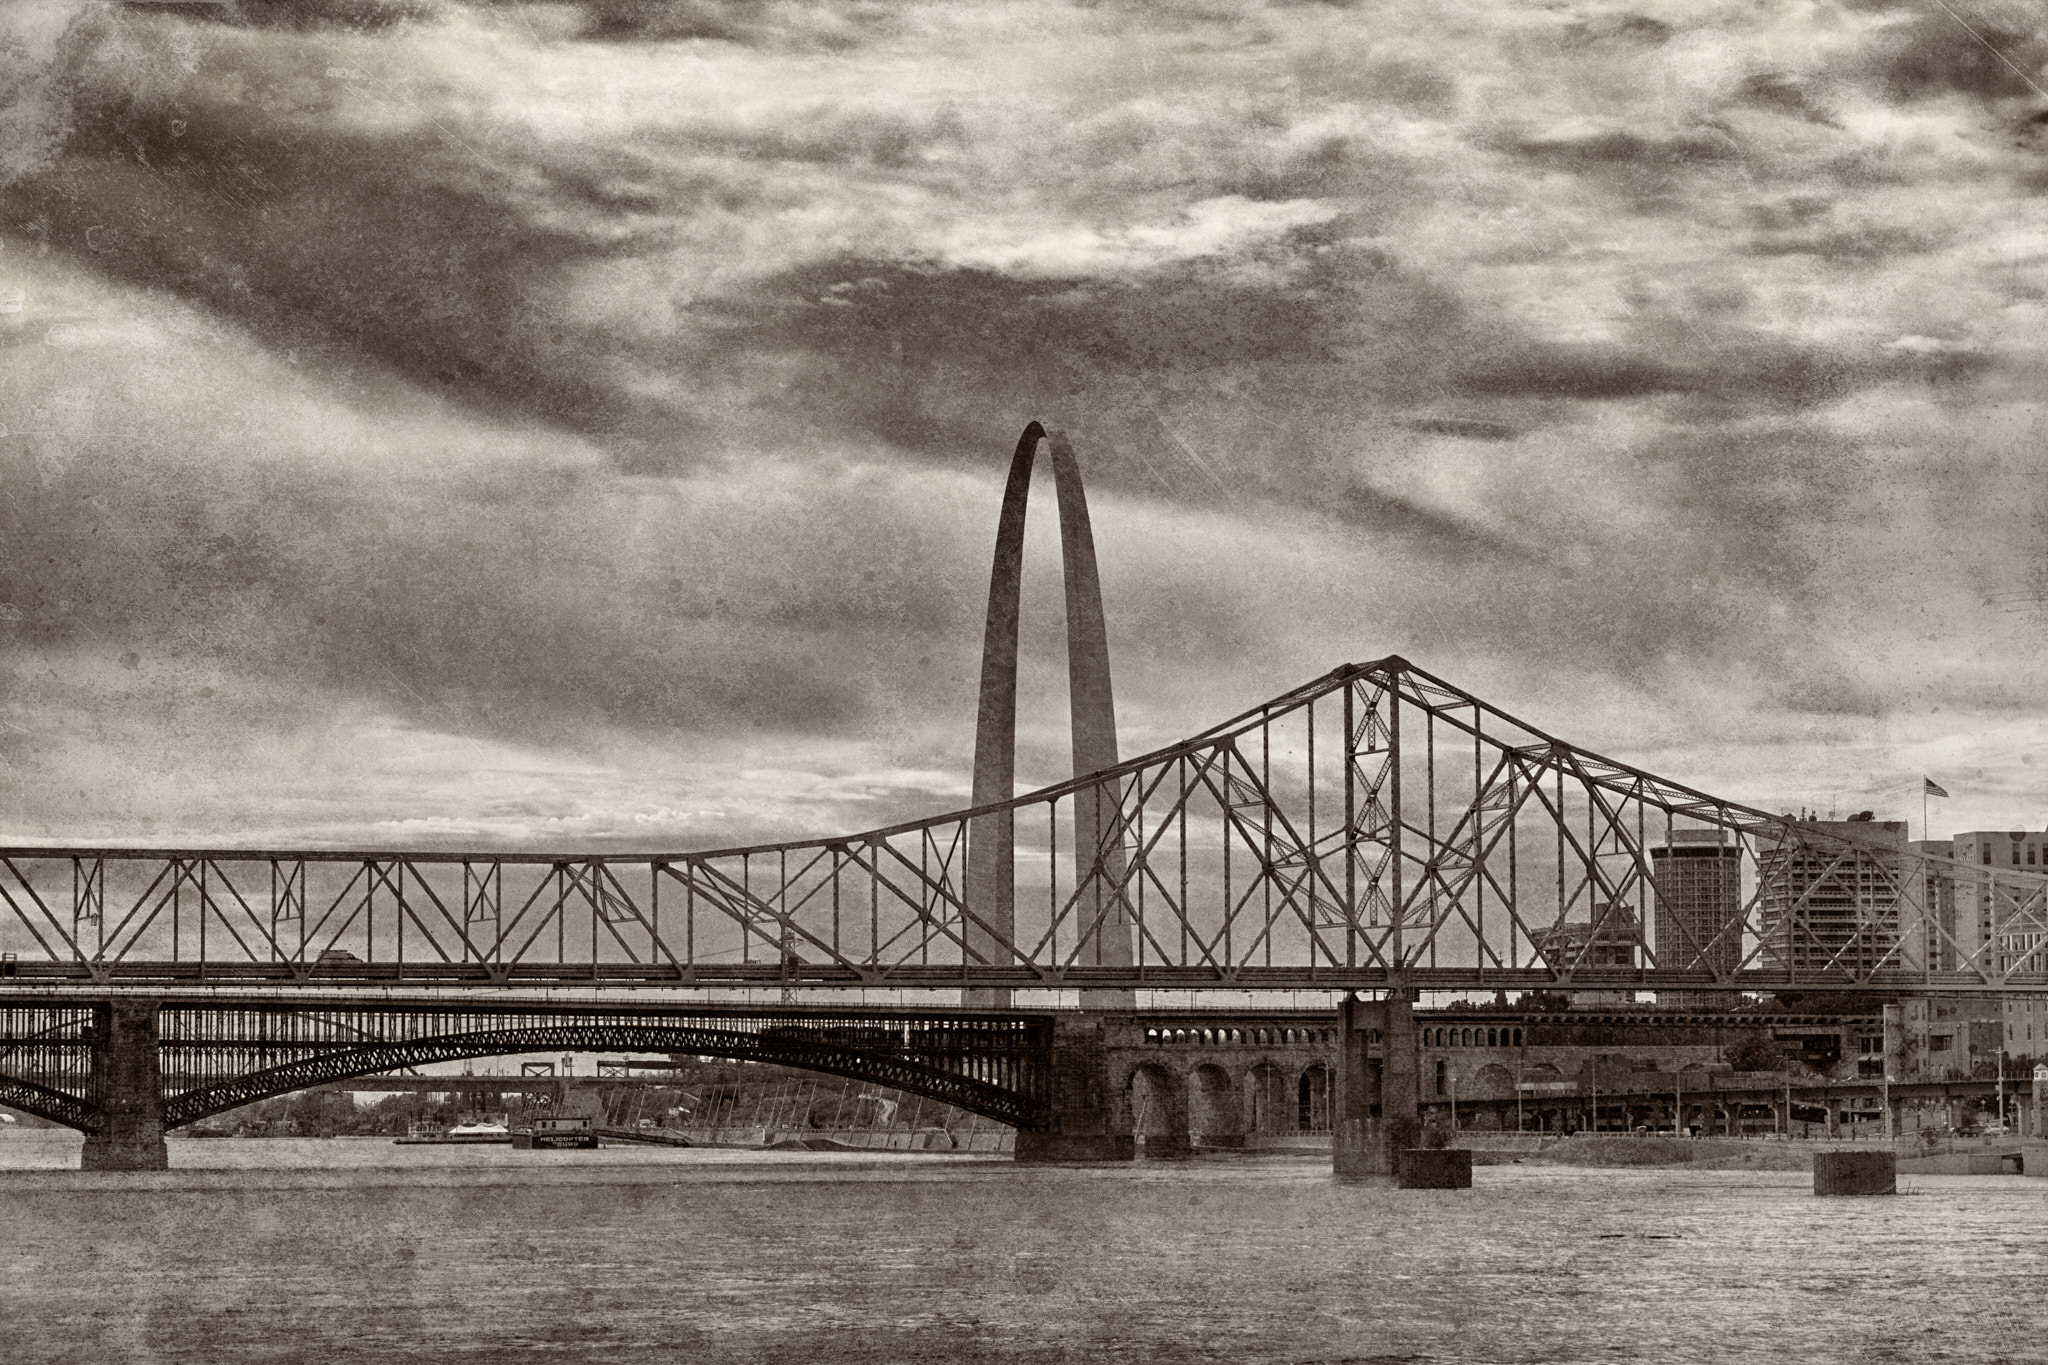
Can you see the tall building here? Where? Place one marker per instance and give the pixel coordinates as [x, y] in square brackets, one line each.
[1829, 895]
[1608, 939]
[1997, 925]
[1698, 878]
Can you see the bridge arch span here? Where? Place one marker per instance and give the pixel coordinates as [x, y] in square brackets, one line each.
[977, 1093]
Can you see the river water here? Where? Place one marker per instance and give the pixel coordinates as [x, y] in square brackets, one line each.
[348, 1250]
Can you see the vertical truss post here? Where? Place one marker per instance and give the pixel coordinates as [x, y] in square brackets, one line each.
[1351, 913]
[1397, 815]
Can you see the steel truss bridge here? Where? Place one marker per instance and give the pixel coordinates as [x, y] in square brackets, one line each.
[1375, 828]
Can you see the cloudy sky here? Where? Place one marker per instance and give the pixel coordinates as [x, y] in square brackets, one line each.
[582, 424]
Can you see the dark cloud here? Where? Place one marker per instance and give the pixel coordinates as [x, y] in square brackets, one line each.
[1986, 51]
[1472, 428]
[950, 360]
[1620, 147]
[1869, 242]
[789, 25]
[1618, 30]
[1783, 94]
[368, 15]
[1719, 364]
[1407, 81]
[409, 250]
[824, 26]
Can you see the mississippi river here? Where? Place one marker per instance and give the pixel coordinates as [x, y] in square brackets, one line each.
[356, 1250]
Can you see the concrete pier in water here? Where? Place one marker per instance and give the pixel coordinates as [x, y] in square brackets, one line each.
[1379, 1099]
[1855, 1173]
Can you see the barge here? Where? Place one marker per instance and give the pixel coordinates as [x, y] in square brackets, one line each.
[556, 1133]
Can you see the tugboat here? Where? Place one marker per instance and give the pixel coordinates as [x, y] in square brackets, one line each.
[572, 1132]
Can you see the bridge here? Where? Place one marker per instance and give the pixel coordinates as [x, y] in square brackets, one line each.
[1372, 833]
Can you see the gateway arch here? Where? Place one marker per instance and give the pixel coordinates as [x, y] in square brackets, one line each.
[1099, 918]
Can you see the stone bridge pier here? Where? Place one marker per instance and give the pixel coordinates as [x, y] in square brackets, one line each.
[1086, 1122]
[127, 1086]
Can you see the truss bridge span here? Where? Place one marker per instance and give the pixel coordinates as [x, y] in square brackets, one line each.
[1377, 828]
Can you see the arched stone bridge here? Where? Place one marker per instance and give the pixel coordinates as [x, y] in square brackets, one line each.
[1230, 1080]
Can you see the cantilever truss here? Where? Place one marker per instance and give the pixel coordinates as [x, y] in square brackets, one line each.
[1376, 826]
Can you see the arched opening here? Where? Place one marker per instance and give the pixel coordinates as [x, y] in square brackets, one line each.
[1312, 1100]
[1159, 1111]
[1272, 1109]
[1492, 1082]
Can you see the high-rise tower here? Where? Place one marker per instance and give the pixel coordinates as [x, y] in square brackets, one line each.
[1832, 904]
[1698, 877]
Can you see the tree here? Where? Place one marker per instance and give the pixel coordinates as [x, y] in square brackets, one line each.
[1753, 1052]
